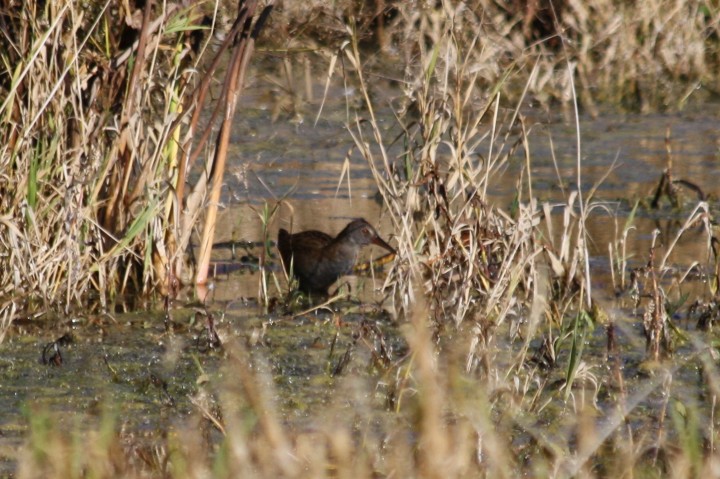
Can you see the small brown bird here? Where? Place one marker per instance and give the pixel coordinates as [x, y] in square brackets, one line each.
[318, 260]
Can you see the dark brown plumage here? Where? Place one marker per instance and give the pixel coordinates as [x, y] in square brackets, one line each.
[318, 260]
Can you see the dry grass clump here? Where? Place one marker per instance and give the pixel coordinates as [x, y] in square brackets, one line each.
[527, 271]
[87, 115]
[472, 260]
[642, 55]
[95, 166]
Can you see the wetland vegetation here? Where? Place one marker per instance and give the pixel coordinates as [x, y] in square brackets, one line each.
[503, 338]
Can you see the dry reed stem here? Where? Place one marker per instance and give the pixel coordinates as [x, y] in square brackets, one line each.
[236, 73]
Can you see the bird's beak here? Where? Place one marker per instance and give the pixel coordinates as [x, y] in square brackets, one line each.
[380, 242]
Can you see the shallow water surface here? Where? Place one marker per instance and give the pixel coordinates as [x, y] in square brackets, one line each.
[150, 379]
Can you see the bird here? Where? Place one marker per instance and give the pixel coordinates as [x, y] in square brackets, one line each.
[317, 259]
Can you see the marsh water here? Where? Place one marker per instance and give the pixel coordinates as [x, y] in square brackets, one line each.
[130, 360]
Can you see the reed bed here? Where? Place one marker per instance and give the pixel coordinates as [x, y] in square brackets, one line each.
[102, 106]
[647, 56]
[497, 307]
[84, 192]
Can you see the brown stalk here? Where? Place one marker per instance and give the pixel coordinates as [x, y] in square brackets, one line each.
[196, 99]
[240, 58]
[190, 153]
[186, 213]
